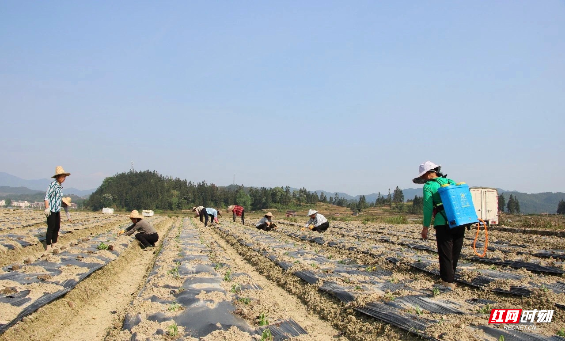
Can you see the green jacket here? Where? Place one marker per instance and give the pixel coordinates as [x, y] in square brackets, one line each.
[432, 198]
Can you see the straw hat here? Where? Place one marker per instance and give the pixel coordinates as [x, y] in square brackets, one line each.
[60, 171]
[310, 212]
[230, 208]
[423, 169]
[67, 201]
[268, 214]
[135, 214]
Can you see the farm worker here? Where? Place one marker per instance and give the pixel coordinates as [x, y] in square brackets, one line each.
[237, 211]
[449, 240]
[197, 210]
[53, 201]
[147, 235]
[66, 204]
[266, 222]
[211, 213]
[317, 222]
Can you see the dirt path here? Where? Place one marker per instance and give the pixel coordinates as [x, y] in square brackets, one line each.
[95, 305]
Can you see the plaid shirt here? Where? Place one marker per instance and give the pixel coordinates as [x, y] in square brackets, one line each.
[237, 210]
[54, 196]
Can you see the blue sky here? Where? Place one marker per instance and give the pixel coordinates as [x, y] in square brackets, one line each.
[332, 95]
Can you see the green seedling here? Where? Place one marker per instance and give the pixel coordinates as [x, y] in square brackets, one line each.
[244, 300]
[501, 338]
[102, 246]
[217, 266]
[341, 261]
[394, 280]
[435, 291]
[357, 287]
[314, 265]
[227, 276]
[330, 257]
[263, 319]
[544, 288]
[493, 267]
[485, 310]
[296, 262]
[174, 306]
[561, 332]
[173, 330]
[175, 270]
[389, 296]
[266, 335]
[419, 310]
[235, 288]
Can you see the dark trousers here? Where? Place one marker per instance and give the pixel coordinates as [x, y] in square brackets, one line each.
[53, 226]
[147, 239]
[322, 228]
[264, 227]
[449, 244]
[204, 215]
[242, 217]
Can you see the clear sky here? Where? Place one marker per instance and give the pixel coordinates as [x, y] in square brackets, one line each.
[347, 96]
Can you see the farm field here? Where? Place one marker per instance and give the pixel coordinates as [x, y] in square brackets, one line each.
[358, 281]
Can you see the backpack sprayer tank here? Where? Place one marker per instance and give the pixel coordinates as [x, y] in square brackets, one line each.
[458, 205]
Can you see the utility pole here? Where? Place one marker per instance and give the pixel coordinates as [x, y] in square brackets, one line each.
[389, 198]
[131, 169]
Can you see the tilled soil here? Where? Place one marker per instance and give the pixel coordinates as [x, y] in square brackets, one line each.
[233, 282]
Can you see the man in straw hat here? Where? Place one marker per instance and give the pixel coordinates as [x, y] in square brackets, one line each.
[449, 240]
[238, 211]
[266, 223]
[147, 235]
[53, 200]
[317, 222]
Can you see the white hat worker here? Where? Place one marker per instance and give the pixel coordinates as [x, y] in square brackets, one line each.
[311, 212]
[423, 169]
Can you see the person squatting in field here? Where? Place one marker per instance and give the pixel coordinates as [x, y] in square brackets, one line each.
[209, 213]
[238, 211]
[317, 222]
[266, 223]
[53, 202]
[147, 235]
[449, 240]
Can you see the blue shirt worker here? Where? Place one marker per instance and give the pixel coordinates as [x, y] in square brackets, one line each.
[53, 200]
[209, 213]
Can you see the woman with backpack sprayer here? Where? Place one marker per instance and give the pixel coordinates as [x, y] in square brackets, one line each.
[449, 240]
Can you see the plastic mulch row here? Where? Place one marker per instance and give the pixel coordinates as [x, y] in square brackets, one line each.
[66, 258]
[391, 314]
[197, 318]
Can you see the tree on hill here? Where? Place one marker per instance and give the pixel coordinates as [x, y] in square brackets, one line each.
[362, 204]
[513, 205]
[417, 205]
[501, 202]
[397, 196]
[561, 207]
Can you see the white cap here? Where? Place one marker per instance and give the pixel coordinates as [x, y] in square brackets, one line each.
[424, 168]
[310, 212]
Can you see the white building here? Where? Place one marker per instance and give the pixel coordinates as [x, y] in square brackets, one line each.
[2, 202]
[22, 204]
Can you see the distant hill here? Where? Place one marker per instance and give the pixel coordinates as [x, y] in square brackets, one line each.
[8, 180]
[535, 203]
